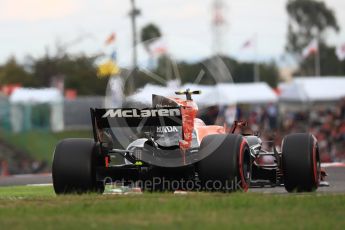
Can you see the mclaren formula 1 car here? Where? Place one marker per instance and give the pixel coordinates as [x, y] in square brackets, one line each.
[166, 147]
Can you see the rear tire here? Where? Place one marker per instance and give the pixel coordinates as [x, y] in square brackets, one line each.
[300, 162]
[74, 165]
[227, 168]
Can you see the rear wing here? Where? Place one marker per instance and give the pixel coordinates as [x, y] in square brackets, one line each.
[132, 117]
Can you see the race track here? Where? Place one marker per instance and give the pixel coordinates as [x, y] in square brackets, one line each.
[336, 179]
[26, 179]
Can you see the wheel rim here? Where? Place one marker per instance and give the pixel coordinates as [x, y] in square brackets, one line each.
[316, 164]
[244, 167]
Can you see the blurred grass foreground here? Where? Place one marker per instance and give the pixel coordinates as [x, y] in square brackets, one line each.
[166, 210]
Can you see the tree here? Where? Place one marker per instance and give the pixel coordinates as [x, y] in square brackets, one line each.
[308, 20]
[241, 72]
[79, 73]
[330, 65]
[149, 34]
[14, 73]
[269, 74]
[44, 68]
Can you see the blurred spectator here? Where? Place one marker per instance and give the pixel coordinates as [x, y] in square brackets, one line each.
[230, 114]
[327, 124]
[272, 114]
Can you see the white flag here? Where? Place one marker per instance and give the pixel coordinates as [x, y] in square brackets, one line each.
[115, 95]
[340, 52]
[311, 48]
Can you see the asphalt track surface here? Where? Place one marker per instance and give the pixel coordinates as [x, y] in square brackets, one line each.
[336, 179]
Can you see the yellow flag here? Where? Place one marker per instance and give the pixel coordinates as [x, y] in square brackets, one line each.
[107, 69]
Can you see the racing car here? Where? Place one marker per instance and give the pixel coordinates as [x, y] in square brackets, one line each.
[166, 147]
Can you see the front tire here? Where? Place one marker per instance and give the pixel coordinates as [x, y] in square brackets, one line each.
[74, 166]
[228, 165]
[300, 162]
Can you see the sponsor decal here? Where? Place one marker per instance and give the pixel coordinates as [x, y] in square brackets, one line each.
[112, 113]
[166, 129]
[162, 106]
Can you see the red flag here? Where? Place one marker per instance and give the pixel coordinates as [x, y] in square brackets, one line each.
[110, 39]
[158, 47]
[311, 48]
[160, 50]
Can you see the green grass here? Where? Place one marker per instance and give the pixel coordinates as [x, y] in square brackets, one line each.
[40, 144]
[38, 208]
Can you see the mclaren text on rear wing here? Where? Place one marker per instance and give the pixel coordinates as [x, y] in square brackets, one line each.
[132, 117]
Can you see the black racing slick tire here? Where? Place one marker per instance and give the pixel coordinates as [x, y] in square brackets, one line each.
[227, 168]
[300, 162]
[74, 166]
